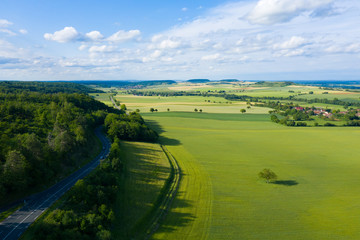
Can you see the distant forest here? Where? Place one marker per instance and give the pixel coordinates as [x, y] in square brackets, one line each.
[126, 84]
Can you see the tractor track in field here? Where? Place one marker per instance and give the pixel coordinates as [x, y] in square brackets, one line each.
[169, 196]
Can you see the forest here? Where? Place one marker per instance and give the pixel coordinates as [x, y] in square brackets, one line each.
[44, 131]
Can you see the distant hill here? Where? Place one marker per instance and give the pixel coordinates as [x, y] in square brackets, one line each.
[229, 80]
[127, 84]
[273, 84]
[198, 80]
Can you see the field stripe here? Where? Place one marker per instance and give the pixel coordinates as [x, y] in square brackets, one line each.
[174, 180]
[190, 215]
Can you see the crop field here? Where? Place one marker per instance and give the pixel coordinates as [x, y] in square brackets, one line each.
[185, 104]
[221, 197]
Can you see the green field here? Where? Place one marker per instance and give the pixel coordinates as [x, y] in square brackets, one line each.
[146, 171]
[221, 152]
[185, 104]
[221, 196]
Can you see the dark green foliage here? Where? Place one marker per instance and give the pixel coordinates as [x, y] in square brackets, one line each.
[198, 80]
[301, 124]
[40, 130]
[129, 127]
[127, 84]
[268, 175]
[87, 212]
[275, 119]
[353, 123]
[88, 209]
[44, 87]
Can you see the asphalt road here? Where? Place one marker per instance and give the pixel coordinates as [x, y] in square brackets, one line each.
[16, 224]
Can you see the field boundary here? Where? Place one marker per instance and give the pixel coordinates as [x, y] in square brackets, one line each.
[172, 187]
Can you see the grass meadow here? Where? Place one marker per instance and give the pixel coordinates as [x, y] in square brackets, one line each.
[221, 196]
[221, 151]
[146, 171]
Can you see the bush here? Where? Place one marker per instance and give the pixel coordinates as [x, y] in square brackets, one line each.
[301, 124]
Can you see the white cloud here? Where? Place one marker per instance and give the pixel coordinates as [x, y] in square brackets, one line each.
[277, 11]
[68, 34]
[211, 57]
[122, 36]
[289, 53]
[184, 9]
[101, 49]
[7, 31]
[94, 35]
[153, 56]
[82, 47]
[169, 44]
[347, 48]
[5, 23]
[294, 42]
[23, 31]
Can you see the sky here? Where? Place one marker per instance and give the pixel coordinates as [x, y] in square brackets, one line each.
[179, 40]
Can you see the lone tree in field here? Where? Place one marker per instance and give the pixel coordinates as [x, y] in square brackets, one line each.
[242, 110]
[268, 175]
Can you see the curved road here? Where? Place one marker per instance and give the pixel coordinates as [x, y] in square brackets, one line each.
[12, 227]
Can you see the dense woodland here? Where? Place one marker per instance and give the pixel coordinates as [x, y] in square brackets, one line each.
[88, 209]
[45, 128]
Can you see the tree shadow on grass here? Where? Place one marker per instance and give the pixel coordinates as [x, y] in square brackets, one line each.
[162, 139]
[175, 218]
[286, 182]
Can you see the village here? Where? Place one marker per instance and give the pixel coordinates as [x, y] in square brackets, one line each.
[317, 111]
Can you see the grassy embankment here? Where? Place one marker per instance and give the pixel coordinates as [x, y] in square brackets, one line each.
[221, 196]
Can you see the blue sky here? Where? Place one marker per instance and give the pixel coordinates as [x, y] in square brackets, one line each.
[138, 39]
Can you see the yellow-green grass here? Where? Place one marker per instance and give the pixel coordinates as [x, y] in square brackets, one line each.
[318, 105]
[146, 171]
[103, 97]
[8, 212]
[186, 104]
[317, 197]
[190, 213]
[280, 91]
[341, 95]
